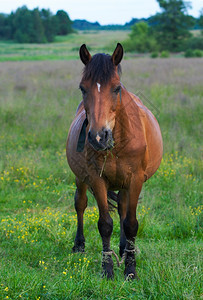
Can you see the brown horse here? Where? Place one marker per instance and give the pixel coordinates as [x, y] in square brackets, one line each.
[114, 144]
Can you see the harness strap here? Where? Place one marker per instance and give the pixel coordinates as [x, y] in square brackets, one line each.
[120, 95]
[119, 263]
[82, 136]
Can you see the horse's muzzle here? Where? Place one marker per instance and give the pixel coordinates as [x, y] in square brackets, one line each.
[102, 140]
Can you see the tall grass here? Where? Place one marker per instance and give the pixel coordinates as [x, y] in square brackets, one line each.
[38, 222]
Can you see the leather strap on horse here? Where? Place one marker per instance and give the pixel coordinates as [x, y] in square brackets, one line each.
[82, 136]
[119, 263]
[120, 95]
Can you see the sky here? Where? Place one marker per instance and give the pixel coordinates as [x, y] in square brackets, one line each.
[103, 11]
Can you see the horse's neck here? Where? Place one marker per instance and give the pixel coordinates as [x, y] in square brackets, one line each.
[127, 117]
[128, 111]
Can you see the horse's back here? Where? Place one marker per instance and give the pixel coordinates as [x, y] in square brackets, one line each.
[153, 137]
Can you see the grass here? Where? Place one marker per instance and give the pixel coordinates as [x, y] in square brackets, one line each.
[38, 222]
[64, 47]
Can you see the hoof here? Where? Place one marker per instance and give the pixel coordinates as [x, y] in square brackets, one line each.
[107, 265]
[131, 276]
[78, 248]
[130, 271]
[108, 275]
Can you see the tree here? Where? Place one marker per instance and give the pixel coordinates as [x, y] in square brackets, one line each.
[200, 20]
[38, 32]
[34, 26]
[63, 23]
[140, 39]
[171, 27]
[49, 24]
[23, 25]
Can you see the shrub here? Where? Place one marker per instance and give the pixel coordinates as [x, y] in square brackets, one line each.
[193, 53]
[197, 53]
[189, 53]
[195, 43]
[140, 39]
[154, 55]
[165, 54]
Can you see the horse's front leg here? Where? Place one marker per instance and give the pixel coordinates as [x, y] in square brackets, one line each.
[80, 205]
[105, 225]
[122, 207]
[130, 226]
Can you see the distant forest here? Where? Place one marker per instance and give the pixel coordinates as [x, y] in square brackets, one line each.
[168, 30]
[34, 26]
[86, 25]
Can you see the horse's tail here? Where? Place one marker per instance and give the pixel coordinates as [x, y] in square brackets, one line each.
[112, 196]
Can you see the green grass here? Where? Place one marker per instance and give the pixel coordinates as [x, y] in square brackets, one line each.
[37, 218]
[64, 47]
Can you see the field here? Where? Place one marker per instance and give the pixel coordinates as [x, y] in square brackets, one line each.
[64, 48]
[38, 100]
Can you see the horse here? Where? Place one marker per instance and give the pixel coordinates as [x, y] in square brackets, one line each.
[114, 145]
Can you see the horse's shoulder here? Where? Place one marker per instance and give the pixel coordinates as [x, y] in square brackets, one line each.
[141, 107]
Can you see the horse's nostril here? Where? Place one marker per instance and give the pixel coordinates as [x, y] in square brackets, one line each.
[101, 140]
[106, 134]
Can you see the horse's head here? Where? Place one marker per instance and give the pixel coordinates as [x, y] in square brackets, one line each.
[101, 88]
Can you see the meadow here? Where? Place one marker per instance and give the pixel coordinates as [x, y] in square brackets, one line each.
[38, 100]
[64, 47]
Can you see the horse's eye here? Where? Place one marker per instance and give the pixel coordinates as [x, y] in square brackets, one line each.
[83, 90]
[117, 89]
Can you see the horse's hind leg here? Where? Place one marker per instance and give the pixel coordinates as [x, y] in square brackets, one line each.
[80, 205]
[130, 226]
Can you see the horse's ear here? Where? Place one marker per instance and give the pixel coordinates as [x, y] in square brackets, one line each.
[118, 54]
[84, 54]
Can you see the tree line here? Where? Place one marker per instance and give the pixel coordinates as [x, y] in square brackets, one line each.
[34, 26]
[167, 30]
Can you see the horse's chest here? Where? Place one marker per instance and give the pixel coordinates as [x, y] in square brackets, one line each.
[116, 172]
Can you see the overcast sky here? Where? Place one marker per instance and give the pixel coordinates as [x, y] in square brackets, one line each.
[103, 11]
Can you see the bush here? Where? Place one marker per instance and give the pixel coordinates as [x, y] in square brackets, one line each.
[140, 39]
[189, 53]
[197, 53]
[165, 54]
[154, 55]
[193, 53]
[195, 43]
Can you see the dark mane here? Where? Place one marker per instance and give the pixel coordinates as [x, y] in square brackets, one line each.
[100, 69]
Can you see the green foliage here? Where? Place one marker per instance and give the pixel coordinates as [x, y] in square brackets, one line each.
[154, 54]
[193, 53]
[164, 54]
[189, 53]
[34, 26]
[195, 42]
[198, 53]
[140, 39]
[171, 27]
[63, 23]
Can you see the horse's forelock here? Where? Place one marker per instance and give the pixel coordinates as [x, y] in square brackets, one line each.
[100, 69]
